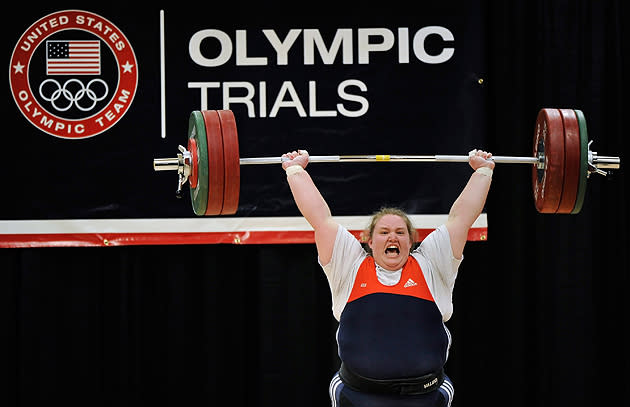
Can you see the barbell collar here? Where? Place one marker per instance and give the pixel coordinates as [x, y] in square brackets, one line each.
[597, 162]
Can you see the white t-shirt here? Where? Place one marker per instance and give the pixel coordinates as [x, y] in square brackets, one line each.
[434, 255]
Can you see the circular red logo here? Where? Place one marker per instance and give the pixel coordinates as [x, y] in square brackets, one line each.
[73, 74]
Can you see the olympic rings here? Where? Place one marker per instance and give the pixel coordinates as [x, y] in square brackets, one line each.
[62, 92]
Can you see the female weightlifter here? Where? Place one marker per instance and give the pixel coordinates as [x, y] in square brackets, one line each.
[391, 301]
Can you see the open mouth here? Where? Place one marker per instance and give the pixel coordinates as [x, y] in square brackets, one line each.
[392, 250]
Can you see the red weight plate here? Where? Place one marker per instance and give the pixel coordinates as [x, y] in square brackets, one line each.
[231, 161]
[192, 148]
[571, 161]
[547, 181]
[214, 137]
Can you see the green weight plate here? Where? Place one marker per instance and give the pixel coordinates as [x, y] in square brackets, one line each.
[199, 194]
[581, 192]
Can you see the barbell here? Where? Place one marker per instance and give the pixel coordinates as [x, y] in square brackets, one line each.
[561, 161]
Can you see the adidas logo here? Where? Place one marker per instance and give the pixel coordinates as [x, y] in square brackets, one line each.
[410, 283]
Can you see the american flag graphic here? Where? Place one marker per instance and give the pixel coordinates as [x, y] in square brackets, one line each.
[73, 57]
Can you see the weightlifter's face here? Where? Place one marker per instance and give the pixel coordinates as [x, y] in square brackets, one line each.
[390, 242]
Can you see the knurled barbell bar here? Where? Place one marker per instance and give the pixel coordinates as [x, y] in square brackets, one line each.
[561, 162]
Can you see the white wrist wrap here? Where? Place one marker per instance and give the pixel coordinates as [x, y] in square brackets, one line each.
[481, 170]
[294, 169]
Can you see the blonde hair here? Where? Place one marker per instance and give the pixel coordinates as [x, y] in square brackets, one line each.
[388, 210]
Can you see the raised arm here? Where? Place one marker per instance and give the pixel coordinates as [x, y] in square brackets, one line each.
[468, 206]
[311, 203]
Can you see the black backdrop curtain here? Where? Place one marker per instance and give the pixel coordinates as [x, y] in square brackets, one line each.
[540, 308]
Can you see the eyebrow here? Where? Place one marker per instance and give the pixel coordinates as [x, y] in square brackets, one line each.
[382, 228]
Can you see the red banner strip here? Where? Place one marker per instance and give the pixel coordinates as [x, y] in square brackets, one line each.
[129, 239]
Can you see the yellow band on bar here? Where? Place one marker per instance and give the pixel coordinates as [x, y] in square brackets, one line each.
[382, 158]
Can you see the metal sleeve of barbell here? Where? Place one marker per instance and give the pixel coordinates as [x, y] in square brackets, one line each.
[606, 161]
[387, 158]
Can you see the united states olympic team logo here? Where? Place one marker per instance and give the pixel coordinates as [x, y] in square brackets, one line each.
[73, 74]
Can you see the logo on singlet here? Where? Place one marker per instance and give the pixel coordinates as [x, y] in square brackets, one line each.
[410, 283]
